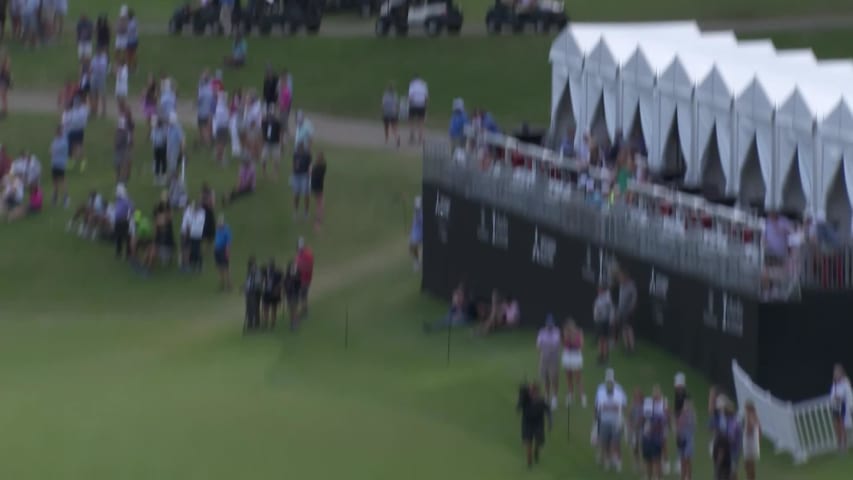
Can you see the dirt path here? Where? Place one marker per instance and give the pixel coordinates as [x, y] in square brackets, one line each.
[330, 130]
[475, 27]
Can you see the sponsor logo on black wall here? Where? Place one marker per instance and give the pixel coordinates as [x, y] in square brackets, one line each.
[732, 315]
[544, 249]
[709, 316]
[442, 215]
[658, 292]
[494, 228]
[599, 266]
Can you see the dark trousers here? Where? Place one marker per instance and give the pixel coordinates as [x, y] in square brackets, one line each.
[122, 237]
[253, 310]
[195, 252]
[160, 160]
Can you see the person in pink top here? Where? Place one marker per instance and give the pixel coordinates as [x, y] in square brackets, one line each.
[573, 361]
[548, 343]
[245, 181]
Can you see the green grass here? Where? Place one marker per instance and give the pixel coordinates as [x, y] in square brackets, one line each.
[508, 75]
[829, 44]
[584, 10]
[109, 375]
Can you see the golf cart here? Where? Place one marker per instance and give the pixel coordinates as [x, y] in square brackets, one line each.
[365, 8]
[289, 15]
[543, 15]
[198, 18]
[434, 16]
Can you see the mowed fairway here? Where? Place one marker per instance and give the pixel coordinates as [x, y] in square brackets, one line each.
[110, 375]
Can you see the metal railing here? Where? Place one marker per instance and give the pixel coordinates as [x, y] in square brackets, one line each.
[669, 229]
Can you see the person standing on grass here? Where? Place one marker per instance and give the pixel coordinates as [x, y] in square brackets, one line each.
[534, 412]
[685, 432]
[285, 102]
[222, 251]
[192, 229]
[5, 84]
[548, 344]
[610, 403]
[272, 288]
[58, 166]
[102, 33]
[252, 119]
[122, 87]
[159, 132]
[680, 397]
[85, 35]
[625, 310]
[300, 180]
[572, 361]
[122, 211]
[304, 136]
[602, 316]
[841, 398]
[751, 440]
[164, 236]
[132, 39]
[292, 294]
[122, 151]
[61, 13]
[4, 7]
[98, 70]
[253, 288]
[418, 97]
[318, 185]
[270, 88]
[121, 34]
[226, 7]
[390, 113]
[271, 129]
[654, 432]
[205, 106]
[305, 265]
[74, 121]
[221, 132]
[416, 235]
[175, 144]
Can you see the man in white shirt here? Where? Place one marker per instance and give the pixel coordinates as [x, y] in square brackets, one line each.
[252, 118]
[610, 403]
[28, 168]
[192, 232]
[418, 97]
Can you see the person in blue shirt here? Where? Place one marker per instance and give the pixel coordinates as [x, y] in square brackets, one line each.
[416, 236]
[238, 52]
[221, 252]
[458, 121]
[58, 165]
[488, 123]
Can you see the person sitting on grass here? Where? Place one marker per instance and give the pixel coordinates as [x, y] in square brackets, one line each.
[239, 50]
[143, 249]
[13, 198]
[457, 316]
[91, 217]
[245, 182]
[28, 167]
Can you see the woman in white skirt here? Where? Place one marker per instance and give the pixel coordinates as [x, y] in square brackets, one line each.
[572, 361]
[751, 440]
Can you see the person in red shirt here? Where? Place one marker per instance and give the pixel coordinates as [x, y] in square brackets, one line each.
[217, 84]
[305, 267]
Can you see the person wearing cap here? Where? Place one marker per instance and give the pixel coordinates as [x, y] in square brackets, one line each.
[416, 235]
[192, 231]
[122, 151]
[305, 265]
[300, 180]
[222, 252]
[458, 121]
[679, 398]
[122, 212]
[610, 404]
[655, 420]
[572, 361]
[417, 101]
[548, 344]
[175, 142]
[318, 186]
[304, 135]
[534, 412]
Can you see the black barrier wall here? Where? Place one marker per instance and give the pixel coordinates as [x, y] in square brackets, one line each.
[548, 272]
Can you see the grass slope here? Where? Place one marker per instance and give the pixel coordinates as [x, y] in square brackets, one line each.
[108, 375]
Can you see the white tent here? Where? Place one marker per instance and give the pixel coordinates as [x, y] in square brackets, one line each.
[713, 88]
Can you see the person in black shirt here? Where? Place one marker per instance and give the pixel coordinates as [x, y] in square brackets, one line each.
[270, 89]
[292, 289]
[271, 129]
[534, 411]
[722, 456]
[300, 180]
[252, 288]
[318, 183]
[273, 278]
[102, 33]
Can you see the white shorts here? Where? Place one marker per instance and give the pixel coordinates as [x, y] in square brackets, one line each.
[121, 42]
[84, 50]
[572, 360]
[121, 92]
